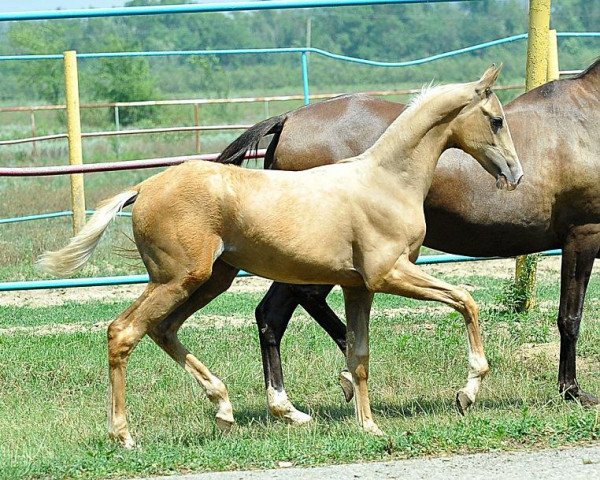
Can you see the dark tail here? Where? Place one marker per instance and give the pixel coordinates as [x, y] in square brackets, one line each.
[235, 152]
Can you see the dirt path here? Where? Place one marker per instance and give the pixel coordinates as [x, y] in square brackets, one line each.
[579, 463]
[501, 269]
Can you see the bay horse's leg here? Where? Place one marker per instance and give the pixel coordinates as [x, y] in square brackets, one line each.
[358, 303]
[579, 251]
[272, 317]
[408, 280]
[313, 298]
[165, 336]
[124, 333]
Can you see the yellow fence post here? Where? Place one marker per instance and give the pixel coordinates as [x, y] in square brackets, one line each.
[553, 71]
[537, 74]
[197, 123]
[74, 138]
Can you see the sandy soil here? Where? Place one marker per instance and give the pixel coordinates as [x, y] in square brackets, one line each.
[501, 269]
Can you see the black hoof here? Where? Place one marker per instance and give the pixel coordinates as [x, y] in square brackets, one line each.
[584, 398]
[463, 402]
[346, 384]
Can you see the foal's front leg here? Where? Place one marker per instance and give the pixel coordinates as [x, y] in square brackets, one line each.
[358, 308]
[408, 280]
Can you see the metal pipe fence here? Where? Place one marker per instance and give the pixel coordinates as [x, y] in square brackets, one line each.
[207, 7]
[194, 8]
[111, 166]
[137, 279]
[195, 103]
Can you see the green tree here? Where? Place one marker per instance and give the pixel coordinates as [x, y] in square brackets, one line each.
[44, 78]
[125, 80]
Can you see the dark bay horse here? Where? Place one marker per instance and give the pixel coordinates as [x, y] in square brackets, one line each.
[191, 219]
[556, 131]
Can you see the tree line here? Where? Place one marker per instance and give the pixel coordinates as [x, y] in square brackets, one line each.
[382, 32]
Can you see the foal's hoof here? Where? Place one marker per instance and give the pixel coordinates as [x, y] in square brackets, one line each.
[126, 441]
[463, 402]
[224, 422]
[347, 385]
[372, 428]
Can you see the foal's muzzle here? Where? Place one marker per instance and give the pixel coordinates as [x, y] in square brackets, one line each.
[502, 183]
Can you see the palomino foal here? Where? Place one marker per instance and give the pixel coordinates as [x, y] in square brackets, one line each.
[196, 223]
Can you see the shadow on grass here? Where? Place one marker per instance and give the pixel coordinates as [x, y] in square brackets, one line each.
[417, 407]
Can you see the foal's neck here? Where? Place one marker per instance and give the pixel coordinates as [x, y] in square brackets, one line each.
[412, 144]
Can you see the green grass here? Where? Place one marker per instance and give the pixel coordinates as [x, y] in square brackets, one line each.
[53, 389]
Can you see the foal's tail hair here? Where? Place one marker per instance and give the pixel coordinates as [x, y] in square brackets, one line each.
[71, 258]
[235, 152]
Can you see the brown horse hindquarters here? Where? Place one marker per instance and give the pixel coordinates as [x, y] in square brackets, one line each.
[314, 132]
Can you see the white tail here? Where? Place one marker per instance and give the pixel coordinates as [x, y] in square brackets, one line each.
[71, 258]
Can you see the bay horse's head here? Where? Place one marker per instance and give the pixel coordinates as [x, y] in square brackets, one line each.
[480, 129]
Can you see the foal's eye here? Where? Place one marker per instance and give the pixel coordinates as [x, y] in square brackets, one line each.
[496, 123]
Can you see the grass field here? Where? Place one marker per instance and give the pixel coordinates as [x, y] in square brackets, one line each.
[53, 372]
[53, 375]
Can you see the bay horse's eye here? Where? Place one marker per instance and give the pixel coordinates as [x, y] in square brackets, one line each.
[496, 123]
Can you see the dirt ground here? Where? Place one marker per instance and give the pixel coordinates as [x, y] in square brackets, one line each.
[501, 269]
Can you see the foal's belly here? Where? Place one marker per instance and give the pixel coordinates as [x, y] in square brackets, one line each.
[295, 270]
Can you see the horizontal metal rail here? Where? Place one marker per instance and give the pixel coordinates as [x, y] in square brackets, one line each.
[46, 216]
[136, 279]
[112, 166]
[296, 50]
[115, 133]
[220, 101]
[207, 7]
[262, 51]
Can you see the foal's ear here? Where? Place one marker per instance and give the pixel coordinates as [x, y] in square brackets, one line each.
[488, 79]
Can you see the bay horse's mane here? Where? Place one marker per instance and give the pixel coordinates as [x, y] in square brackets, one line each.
[593, 68]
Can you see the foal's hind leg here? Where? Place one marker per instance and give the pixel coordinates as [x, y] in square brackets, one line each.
[157, 301]
[165, 336]
[408, 280]
[174, 275]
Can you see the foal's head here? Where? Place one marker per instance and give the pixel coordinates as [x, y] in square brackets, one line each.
[480, 129]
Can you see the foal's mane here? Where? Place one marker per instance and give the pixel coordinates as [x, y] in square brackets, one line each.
[428, 91]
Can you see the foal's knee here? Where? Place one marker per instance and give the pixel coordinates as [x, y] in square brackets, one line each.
[358, 365]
